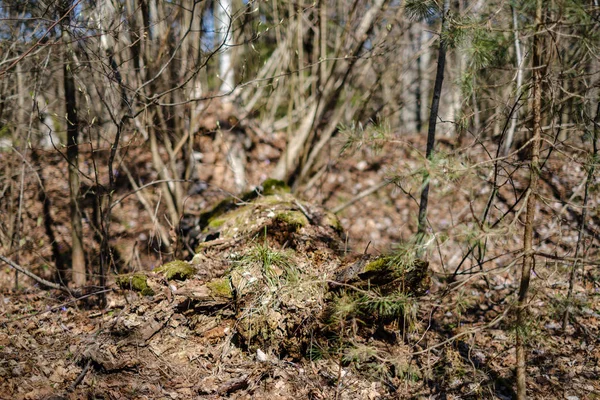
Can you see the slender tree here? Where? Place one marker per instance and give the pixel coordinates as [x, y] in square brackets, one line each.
[77, 253]
[435, 105]
[518, 85]
[223, 22]
[534, 172]
[584, 213]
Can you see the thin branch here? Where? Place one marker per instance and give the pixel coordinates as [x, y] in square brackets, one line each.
[361, 195]
[33, 276]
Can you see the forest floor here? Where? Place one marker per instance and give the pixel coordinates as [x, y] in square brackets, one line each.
[461, 344]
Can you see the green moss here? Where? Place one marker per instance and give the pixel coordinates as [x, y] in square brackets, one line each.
[224, 206]
[5, 131]
[269, 187]
[136, 281]
[215, 223]
[377, 265]
[201, 246]
[274, 186]
[274, 200]
[292, 218]
[333, 221]
[177, 269]
[220, 287]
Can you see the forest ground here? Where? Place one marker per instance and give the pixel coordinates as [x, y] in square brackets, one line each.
[43, 334]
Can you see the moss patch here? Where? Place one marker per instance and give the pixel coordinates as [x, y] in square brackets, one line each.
[377, 265]
[333, 221]
[177, 269]
[274, 186]
[218, 210]
[215, 223]
[293, 218]
[220, 287]
[136, 281]
[269, 187]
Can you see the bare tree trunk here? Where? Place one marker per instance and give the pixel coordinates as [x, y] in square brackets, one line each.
[529, 257]
[419, 79]
[435, 104]
[589, 179]
[223, 23]
[21, 132]
[322, 42]
[514, 118]
[77, 254]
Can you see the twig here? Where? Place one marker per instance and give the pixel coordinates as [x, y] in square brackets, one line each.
[137, 189]
[33, 276]
[470, 331]
[74, 300]
[41, 39]
[304, 211]
[359, 196]
[80, 377]
[582, 223]
[568, 259]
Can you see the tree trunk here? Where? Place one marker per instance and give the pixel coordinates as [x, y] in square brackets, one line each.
[223, 23]
[534, 166]
[435, 104]
[419, 79]
[77, 254]
[589, 179]
[519, 60]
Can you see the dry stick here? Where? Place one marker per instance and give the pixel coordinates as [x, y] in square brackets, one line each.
[78, 262]
[470, 331]
[33, 276]
[73, 300]
[80, 376]
[138, 190]
[524, 195]
[163, 173]
[567, 259]
[529, 257]
[361, 195]
[488, 207]
[36, 87]
[16, 237]
[590, 177]
[331, 127]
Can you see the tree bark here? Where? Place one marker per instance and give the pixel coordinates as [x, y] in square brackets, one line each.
[77, 254]
[514, 118]
[435, 105]
[534, 166]
[589, 179]
[223, 21]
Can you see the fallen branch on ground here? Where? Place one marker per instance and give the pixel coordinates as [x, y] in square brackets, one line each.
[33, 276]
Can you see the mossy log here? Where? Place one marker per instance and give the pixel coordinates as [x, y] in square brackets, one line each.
[273, 265]
[389, 273]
